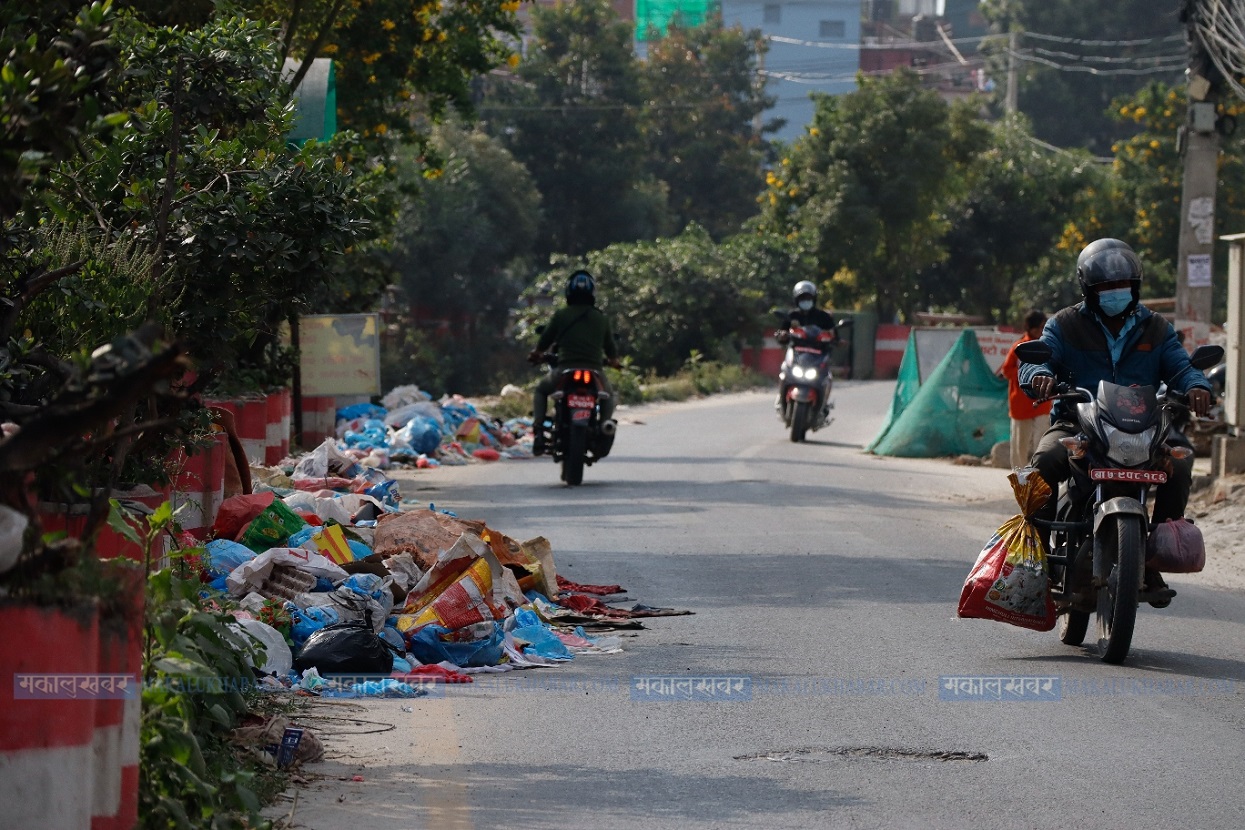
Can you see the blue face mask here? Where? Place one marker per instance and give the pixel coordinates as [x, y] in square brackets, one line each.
[1114, 301]
[805, 305]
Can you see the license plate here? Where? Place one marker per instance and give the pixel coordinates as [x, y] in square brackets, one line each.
[581, 401]
[1134, 476]
[581, 414]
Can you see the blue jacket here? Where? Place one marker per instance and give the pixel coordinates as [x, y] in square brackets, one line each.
[1080, 355]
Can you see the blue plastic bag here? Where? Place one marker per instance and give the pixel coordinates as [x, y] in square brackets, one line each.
[428, 648]
[361, 410]
[306, 621]
[224, 555]
[423, 434]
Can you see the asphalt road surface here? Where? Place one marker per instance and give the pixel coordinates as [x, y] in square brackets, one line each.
[827, 580]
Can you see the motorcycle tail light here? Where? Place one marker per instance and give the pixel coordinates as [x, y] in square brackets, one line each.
[1179, 453]
[1075, 445]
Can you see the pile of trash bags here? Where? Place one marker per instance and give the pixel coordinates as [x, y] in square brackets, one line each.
[410, 427]
[337, 583]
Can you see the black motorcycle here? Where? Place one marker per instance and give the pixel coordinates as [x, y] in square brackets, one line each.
[805, 379]
[576, 435]
[1097, 542]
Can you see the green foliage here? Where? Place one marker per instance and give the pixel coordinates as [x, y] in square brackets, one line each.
[700, 103]
[195, 671]
[669, 297]
[53, 89]
[396, 58]
[1011, 216]
[249, 231]
[1072, 108]
[866, 184]
[571, 116]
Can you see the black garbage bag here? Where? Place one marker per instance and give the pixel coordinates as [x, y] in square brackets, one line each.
[346, 648]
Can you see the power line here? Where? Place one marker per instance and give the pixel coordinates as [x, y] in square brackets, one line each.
[1093, 70]
[1080, 42]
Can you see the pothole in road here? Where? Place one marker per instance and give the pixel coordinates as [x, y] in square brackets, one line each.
[874, 753]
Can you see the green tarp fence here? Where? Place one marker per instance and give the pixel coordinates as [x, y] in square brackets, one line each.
[315, 101]
[960, 409]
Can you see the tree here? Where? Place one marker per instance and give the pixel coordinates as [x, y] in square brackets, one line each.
[1076, 58]
[571, 116]
[390, 54]
[241, 230]
[463, 252]
[669, 297]
[867, 186]
[1011, 217]
[701, 100]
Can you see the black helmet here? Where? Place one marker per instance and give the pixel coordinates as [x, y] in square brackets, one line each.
[581, 288]
[1107, 260]
[804, 288]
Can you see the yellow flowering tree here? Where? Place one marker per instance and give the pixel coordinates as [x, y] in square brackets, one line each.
[397, 62]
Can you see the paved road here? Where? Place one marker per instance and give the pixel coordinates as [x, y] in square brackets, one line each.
[828, 578]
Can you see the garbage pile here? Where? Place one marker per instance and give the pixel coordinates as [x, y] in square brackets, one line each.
[335, 581]
[410, 427]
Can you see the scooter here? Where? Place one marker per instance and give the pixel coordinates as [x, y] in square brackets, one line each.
[1098, 539]
[805, 379]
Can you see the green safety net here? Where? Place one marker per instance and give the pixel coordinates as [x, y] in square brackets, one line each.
[657, 14]
[960, 409]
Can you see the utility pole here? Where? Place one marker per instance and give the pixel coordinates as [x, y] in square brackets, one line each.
[1198, 139]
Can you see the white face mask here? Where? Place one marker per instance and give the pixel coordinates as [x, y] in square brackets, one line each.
[805, 305]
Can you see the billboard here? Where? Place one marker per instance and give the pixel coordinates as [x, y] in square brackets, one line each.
[339, 354]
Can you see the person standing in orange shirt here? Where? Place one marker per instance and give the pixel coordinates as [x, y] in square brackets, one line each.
[1029, 418]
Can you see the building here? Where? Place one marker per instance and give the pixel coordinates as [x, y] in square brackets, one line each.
[814, 47]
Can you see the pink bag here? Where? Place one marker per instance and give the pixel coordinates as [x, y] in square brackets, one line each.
[1176, 547]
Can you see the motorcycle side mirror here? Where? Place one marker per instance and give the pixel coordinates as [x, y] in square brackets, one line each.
[1033, 351]
[845, 323]
[1204, 357]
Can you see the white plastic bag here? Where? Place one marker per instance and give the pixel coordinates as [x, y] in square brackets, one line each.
[278, 659]
[250, 576]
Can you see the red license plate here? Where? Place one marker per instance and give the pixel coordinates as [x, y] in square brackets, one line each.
[581, 401]
[1134, 476]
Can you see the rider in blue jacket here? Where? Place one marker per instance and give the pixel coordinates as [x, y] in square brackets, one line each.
[1112, 337]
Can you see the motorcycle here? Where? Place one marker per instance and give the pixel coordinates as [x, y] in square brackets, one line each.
[1098, 540]
[805, 379]
[576, 435]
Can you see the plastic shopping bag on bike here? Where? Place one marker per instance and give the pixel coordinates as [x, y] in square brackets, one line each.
[1009, 581]
[1176, 547]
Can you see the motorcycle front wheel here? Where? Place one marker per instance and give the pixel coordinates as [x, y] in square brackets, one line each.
[799, 421]
[1117, 600]
[573, 460]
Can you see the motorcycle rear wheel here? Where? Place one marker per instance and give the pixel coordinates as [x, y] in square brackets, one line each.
[799, 421]
[573, 460]
[1072, 627]
[1117, 600]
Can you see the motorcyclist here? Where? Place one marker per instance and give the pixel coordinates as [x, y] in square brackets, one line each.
[805, 313]
[583, 338]
[1111, 336]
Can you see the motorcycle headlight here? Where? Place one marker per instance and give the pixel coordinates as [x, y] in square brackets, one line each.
[1128, 449]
